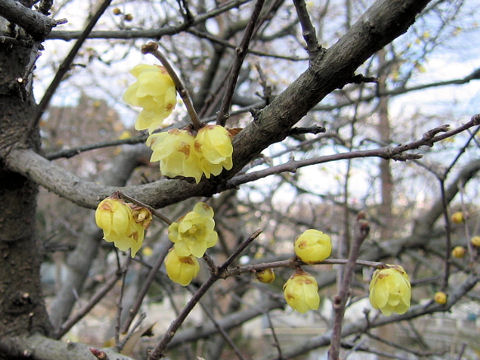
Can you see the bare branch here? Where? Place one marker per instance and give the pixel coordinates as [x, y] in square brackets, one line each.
[65, 65]
[241, 52]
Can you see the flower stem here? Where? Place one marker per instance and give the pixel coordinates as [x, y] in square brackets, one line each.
[152, 48]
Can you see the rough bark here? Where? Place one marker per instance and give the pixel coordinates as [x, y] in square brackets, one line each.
[21, 302]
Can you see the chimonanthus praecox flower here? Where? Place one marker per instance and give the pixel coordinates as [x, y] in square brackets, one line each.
[390, 290]
[193, 233]
[313, 246]
[301, 292]
[175, 150]
[122, 225]
[155, 92]
[214, 144]
[181, 269]
[266, 276]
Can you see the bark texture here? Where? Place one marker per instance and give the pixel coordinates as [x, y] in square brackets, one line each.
[21, 302]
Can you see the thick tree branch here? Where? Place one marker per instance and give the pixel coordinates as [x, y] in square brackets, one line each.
[38, 347]
[384, 21]
[34, 23]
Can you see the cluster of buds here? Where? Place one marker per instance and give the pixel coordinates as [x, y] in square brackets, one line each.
[191, 235]
[301, 289]
[122, 223]
[182, 154]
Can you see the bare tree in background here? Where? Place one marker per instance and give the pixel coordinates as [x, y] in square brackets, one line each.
[312, 90]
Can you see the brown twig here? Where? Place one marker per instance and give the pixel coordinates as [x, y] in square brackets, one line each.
[65, 65]
[292, 263]
[308, 30]
[340, 300]
[119, 303]
[152, 48]
[146, 285]
[159, 349]
[394, 152]
[152, 210]
[86, 309]
[241, 52]
[222, 331]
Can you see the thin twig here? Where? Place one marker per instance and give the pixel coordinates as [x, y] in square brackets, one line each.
[394, 152]
[340, 300]
[65, 66]
[308, 30]
[152, 48]
[152, 210]
[159, 349]
[294, 262]
[221, 330]
[241, 52]
[120, 301]
[146, 285]
[274, 335]
[67, 325]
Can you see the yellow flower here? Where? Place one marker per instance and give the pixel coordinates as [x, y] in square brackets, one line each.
[181, 269]
[440, 298]
[214, 144]
[194, 232]
[301, 292]
[155, 92]
[390, 290]
[313, 246]
[457, 217]
[175, 151]
[458, 252]
[265, 276]
[116, 220]
[475, 241]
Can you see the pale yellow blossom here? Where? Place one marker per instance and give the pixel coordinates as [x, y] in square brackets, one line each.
[155, 92]
[301, 292]
[181, 269]
[193, 233]
[390, 290]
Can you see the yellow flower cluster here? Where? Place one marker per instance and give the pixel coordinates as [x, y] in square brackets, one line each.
[154, 91]
[390, 290]
[123, 224]
[182, 154]
[192, 235]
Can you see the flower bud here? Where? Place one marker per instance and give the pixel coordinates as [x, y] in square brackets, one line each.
[266, 276]
[458, 252]
[301, 292]
[457, 217]
[475, 241]
[313, 246]
[390, 290]
[440, 298]
[181, 269]
[116, 220]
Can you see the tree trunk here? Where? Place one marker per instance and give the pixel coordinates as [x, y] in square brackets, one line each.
[21, 304]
